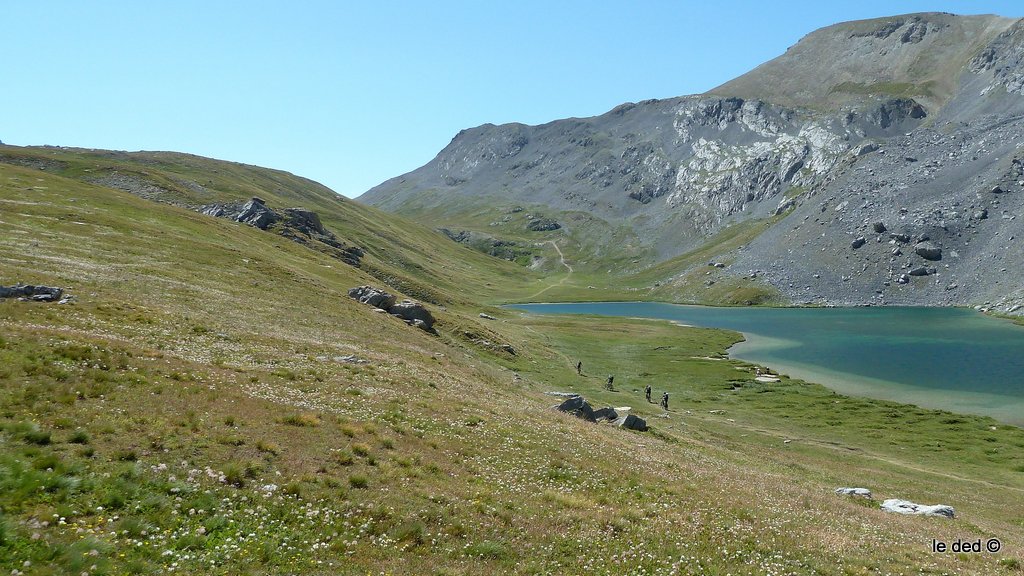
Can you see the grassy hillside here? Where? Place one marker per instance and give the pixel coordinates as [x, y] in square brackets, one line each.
[212, 402]
[410, 257]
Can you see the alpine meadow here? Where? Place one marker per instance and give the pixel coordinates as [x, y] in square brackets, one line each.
[210, 367]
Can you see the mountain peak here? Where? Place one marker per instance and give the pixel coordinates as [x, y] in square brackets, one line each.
[917, 56]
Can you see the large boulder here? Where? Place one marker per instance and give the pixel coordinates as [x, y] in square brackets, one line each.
[578, 407]
[906, 507]
[255, 213]
[414, 313]
[373, 297]
[632, 422]
[608, 413]
[928, 250]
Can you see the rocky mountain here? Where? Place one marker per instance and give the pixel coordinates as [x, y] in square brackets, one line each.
[864, 146]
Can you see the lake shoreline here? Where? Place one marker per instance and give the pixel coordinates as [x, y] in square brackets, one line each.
[1002, 401]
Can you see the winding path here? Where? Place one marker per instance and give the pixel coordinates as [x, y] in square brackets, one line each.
[561, 258]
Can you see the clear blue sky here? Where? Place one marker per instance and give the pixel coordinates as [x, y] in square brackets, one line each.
[351, 94]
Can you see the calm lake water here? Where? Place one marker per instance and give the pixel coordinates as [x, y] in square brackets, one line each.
[953, 359]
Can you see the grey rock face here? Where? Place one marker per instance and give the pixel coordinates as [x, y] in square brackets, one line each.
[255, 213]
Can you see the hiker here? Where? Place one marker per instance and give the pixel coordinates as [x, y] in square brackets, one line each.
[608, 384]
[579, 368]
[664, 401]
[647, 392]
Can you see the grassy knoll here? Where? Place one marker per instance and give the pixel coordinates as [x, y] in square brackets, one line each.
[212, 402]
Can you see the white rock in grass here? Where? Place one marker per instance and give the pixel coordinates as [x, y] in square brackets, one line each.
[905, 507]
[863, 492]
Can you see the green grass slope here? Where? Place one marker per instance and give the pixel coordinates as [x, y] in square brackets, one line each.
[407, 256]
[213, 403]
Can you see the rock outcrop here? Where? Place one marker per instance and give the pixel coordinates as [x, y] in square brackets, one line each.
[412, 312]
[30, 292]
[297, 224]
[579, 407]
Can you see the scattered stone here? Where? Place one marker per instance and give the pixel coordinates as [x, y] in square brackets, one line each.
[981, 214]
[858, 242]
[766, 379]
[998, 190]
[879, 227]
[920, 271]
[928, 250]
[906, 507]
[562, 394]
[862, 492]
[901, 238]
[903, 279]
[30, 292]
[487, 316]
[508, 348]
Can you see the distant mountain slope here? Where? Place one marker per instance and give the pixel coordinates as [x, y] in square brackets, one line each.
[918, 56]
[648, 182]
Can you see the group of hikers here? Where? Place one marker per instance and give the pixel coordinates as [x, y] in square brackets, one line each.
[609, 385]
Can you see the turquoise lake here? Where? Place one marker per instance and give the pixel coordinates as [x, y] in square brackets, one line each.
[953, 359]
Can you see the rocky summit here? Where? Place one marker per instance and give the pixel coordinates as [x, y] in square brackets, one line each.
[879, 157]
